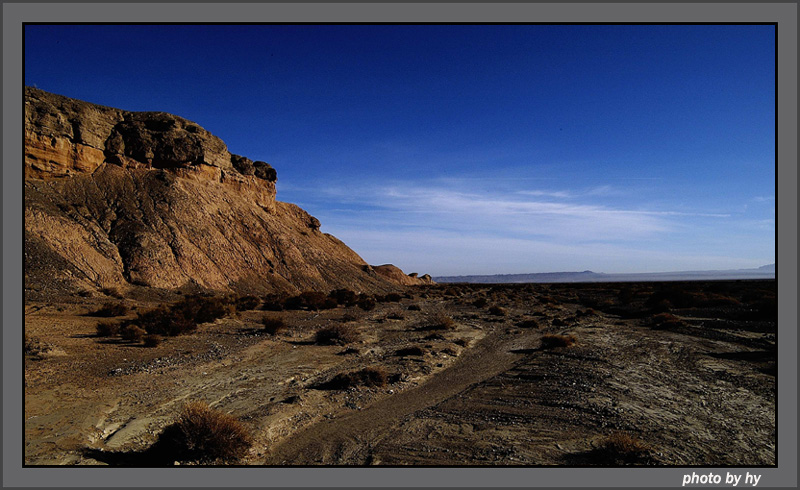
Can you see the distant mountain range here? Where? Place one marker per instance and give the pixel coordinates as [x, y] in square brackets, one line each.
[763, 272]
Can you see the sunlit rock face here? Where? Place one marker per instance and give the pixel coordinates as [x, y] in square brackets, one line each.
[116, 198]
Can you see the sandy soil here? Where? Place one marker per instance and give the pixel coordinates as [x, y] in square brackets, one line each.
[698, 391]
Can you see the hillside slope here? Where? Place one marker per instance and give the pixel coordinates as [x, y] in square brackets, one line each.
[116, 198]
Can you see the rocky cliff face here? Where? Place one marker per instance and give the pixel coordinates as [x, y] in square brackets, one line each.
[116, 198]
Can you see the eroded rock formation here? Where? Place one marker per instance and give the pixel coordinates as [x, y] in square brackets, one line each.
[116, 198]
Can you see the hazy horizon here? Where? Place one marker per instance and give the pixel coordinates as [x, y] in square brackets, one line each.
[473, 150]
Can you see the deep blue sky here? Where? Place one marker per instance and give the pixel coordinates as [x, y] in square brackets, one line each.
[473, 149]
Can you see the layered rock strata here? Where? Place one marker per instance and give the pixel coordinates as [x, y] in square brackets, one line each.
[116, 198]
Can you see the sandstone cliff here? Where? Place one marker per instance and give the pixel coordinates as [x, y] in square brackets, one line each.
[116, 198]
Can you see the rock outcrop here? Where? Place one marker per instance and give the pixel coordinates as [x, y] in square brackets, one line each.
[116, 198]
[396, 275]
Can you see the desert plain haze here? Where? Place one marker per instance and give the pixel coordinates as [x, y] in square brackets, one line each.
[472, 149]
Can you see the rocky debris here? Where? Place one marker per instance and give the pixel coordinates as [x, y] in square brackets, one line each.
[395, 274]
[116, 198]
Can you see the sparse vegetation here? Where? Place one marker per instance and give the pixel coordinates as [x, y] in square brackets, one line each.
[274, 302]
[204, 434]
[530, 323]
[621, 447]
[309, 300]
[344, 297]
[497, 310]
[439, 320]
[152, 340]
[111, 310]
[369, 377]
[552, 341]
[410, 351]
[665, 321]
[273, 325]
[366, 302]
[132, 333]
[246, 303]
[480, 303]
[106, 329]
[337, 334]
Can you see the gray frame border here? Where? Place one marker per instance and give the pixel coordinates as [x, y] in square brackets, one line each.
[785, 475]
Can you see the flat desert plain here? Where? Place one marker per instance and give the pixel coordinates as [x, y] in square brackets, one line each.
[613, 374]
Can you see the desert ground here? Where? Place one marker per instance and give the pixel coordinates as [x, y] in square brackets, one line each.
[613, 374]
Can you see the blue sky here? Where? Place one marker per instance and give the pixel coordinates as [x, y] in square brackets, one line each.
[473, 149]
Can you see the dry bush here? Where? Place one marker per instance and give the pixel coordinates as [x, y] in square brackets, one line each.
[480, 303]
[497, 310]
[310, 300]
[106, 329]
[410, 351]
[369, 377]
[273, 326]
[551, 341]
[414, 308]
[274, 302]
[337, 334]
[530, 323]
[132, 333]
[344, 296]
[366, 302]
[246, 303]
[622, 447]
[439, 320]
[152, 340]
[204, 309]
[207, 435]
[164, 321]
[664, 321]
[388, 298]
[111, 310]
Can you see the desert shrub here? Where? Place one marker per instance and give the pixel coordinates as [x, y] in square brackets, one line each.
[497, 310]
[622, 447]
[439, 320]
[203, 309]
[204, 434]
[152, 340]
[165, 321]
[480, 303]
[530, 323]
[273, 326]
[675, 297]
[551, 341]
[366, 302]
[395, 315]
[132, 333]
[351, 316]
[344, 297]
[110, 310]
[106, 329]
[370, 376]
[309, 300]
[410, 351]
[246, 303]
[414, 308]
[559, 322]
[450, 292]
[337, 334]
[389, 298]
[274, 302]
[665, 321]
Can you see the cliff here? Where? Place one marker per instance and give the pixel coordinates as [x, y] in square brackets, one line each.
[116, 198]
